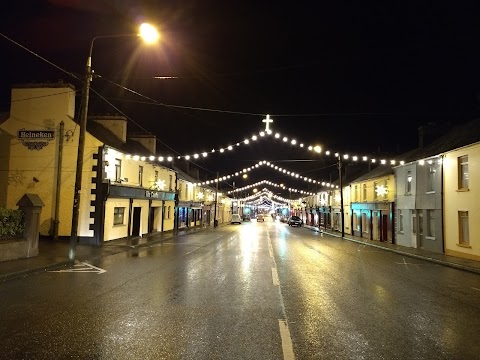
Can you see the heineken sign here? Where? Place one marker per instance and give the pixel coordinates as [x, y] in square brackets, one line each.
[35, 139]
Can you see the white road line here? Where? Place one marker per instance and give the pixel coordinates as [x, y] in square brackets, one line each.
[275, 277]
[286, 341]
[82, 267]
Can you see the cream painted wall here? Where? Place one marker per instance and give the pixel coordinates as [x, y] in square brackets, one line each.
[130, 166]
[455, 201]
[157, 215]
[115, 231]
[169, 222]
[390, 196]
[143, 215]
[35, 171]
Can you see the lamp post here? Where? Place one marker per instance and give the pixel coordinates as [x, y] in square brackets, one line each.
[342, 216]
[150, 35]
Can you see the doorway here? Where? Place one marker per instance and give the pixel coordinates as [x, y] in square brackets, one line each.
[137, 211]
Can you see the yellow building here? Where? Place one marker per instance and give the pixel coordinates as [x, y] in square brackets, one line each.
[125, 190]
[461, 199]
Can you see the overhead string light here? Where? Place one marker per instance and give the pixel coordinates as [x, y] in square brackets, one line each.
[286, 139]
[265, 163]
[266, 194]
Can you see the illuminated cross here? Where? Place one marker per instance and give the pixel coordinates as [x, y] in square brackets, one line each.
[267, 122]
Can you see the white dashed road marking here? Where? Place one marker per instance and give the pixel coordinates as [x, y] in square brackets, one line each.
[286, 341]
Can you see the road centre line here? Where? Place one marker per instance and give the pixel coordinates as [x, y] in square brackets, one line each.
[275, 277]
[286, 341]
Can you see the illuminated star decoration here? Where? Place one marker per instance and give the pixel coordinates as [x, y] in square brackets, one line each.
[381, 190]
[160, 184]
[200, 196]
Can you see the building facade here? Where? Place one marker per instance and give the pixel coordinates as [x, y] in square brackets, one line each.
[125, 190]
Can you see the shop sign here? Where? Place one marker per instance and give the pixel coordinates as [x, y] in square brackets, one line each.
[35, 139]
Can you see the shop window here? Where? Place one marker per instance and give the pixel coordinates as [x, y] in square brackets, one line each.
[365, 223]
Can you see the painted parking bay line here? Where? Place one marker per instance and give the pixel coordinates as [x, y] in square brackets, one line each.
[82, 267]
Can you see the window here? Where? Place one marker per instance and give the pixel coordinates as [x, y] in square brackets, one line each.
[414, 222]
[169, 209]
[118, 215]
[400, 221]
[156, 175]
[375, 191]
[431, 178]
[356, 193]
[118, 169]
[364, 192]
[170, 183]
[463, 172]
[356, 223]
[408, 187]
[364, 223]
[420, 222]
[431, 223]
[140, 175]
[463, 233]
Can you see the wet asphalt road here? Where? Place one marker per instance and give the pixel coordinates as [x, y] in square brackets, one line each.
[249, 291]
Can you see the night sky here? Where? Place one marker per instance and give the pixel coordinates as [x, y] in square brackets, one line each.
[349, 76]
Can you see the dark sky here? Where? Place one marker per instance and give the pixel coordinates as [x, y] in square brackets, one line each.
[350, 76]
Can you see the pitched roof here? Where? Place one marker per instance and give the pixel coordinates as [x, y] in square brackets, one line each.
[458, 136]
[110, 139]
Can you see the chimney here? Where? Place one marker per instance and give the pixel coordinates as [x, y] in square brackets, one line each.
[115, 123]
[149, 142]
[421, 134]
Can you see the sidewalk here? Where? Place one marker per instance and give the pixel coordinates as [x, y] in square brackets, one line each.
[445, 260]
[54, 254]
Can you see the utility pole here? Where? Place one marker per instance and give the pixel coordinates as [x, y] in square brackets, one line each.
[215, 222]
[341, 193]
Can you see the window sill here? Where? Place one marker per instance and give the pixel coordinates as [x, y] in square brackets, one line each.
[463, 190]
[430, 237]
[430, 192]
[119, 225]
[464, 246]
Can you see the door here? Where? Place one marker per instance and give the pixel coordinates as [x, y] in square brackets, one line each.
[137, 211]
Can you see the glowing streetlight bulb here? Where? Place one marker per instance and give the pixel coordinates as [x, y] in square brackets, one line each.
[149, 33]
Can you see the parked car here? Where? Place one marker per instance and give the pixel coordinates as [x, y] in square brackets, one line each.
[260, 217]
[294, 221]
[236, 219]
[246, 217]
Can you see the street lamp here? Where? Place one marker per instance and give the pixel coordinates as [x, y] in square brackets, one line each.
[150, 35]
